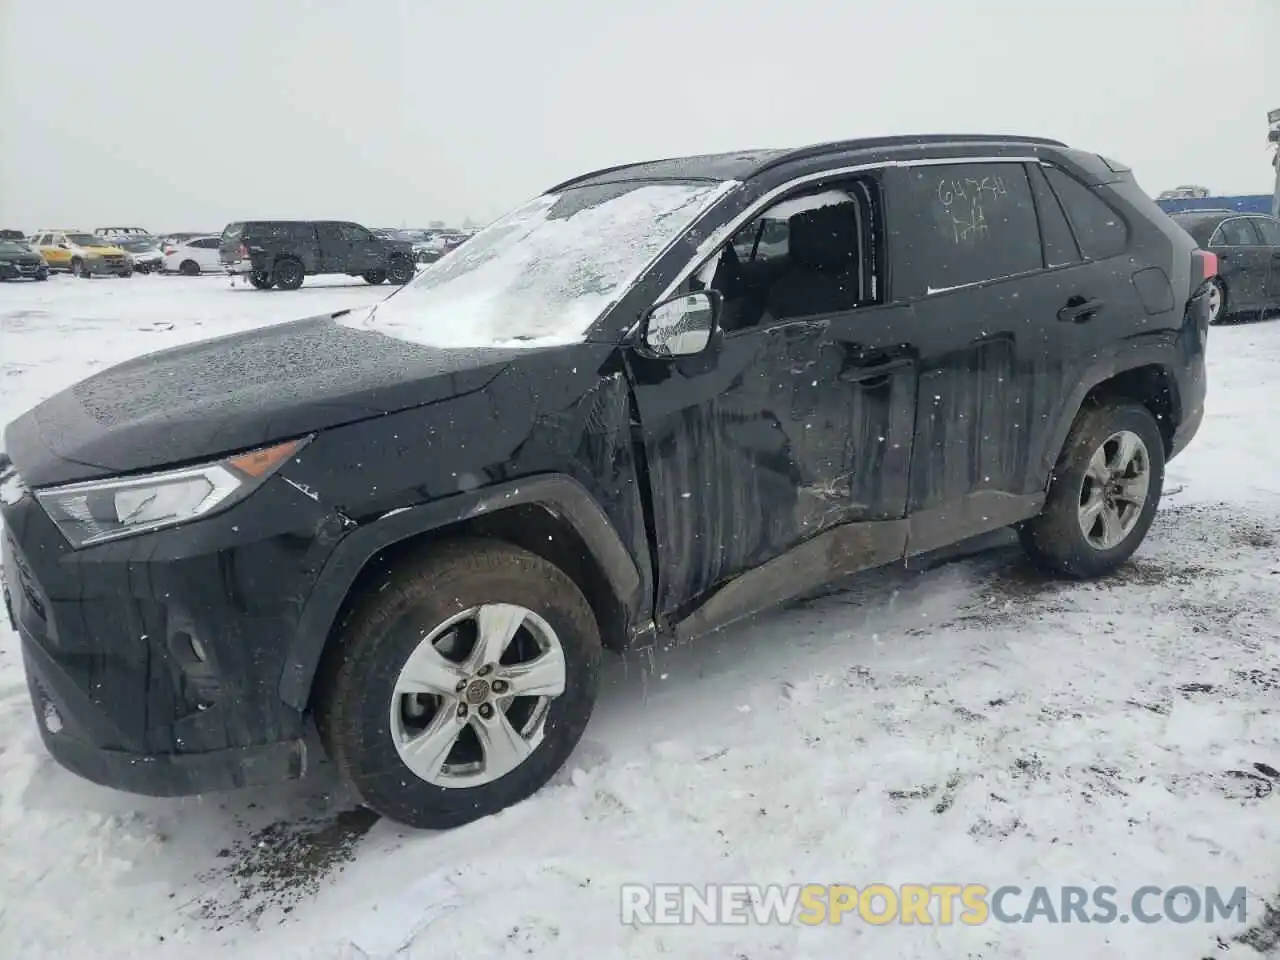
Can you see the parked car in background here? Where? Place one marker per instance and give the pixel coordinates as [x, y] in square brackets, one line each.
[193, 256]
[114, 233]
[82, 254]
[144, 253]
[19, 262]
[1248, 251]
[13, 235]
[427, 246]
[183, 236]
[282, 253]
[416, 528]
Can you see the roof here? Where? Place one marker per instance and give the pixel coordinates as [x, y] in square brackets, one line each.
[741, 164]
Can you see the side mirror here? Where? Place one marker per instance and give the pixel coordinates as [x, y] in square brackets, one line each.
[682, 326]
[65, 246]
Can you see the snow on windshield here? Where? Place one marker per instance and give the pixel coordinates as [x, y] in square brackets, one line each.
[544, 273]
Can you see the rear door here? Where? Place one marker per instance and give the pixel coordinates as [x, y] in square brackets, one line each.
[1244, 264]
[335, 247]
[1269, 229]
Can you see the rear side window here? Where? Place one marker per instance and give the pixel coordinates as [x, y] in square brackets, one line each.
[961, 224]
[1059, 245]
[232, 232]
[1099, 230]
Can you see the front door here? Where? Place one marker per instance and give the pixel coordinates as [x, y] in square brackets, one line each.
[365, 252]
[335, 247]
[778, 458]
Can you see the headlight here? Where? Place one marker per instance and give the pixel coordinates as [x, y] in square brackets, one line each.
[100, 510]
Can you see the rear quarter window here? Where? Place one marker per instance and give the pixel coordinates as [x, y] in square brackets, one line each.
[959, 224]
[1099, 230]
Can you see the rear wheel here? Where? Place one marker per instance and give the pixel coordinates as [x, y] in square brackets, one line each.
[261, 280]
[1217, 301]
[289, 274]
[400, 270]
[461, 687]
[189, 268]
[1104, 493]
[374, 276]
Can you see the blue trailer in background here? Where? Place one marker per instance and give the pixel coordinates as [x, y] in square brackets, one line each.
[1249, 203]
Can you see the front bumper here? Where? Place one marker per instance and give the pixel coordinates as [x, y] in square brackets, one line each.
[154, 662]
[23, 271]
[100, 266]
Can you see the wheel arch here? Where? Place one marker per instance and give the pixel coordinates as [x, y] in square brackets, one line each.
[1148, 378]
[553, 516]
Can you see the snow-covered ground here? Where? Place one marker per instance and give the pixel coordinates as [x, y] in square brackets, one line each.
[971, 723]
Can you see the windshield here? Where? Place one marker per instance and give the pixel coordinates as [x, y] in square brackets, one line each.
[136, 246]
[545, 272]
[8, 248]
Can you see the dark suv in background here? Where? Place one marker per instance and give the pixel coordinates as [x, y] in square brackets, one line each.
[281, 253]
[646, 404]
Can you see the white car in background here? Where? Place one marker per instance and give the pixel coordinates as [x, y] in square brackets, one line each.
[193, 257]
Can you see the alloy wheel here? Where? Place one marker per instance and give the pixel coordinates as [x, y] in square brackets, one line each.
[471, 702]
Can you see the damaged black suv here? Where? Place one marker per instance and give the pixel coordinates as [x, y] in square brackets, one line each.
[650, 402]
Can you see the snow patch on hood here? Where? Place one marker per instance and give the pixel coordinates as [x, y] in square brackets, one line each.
[543, 274]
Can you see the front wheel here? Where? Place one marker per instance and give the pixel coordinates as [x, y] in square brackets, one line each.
[400, 270]
[1104, 493]
[462, 688]
[374, 276]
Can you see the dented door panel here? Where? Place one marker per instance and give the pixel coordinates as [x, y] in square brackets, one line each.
[767, 445]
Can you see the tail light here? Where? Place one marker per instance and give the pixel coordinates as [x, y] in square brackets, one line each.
[243, 252]
[1204, 266]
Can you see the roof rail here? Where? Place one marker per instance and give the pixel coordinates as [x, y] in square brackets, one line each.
[903, 140]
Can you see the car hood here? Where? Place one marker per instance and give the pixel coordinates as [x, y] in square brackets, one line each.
[99, 249]
[210, 398]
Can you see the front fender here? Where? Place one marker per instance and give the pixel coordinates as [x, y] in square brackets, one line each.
[563, 495]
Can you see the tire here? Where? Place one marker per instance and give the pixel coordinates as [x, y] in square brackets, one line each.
[400, 270]
[360, 715]
[126, 275]
[289, 274]
[374, 276]
[1056, 539]
[42, 276]
[261, 280]
[189, 268]
[1217, 302]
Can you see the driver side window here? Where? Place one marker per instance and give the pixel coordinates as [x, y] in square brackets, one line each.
[811, 254]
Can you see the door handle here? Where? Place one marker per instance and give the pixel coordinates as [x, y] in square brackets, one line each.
[873, 375]
[1079, 310]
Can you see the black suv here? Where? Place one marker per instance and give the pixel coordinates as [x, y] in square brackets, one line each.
[648, 403]
[281, 253]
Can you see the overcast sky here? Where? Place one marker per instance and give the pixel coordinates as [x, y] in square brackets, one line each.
[186, 114]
